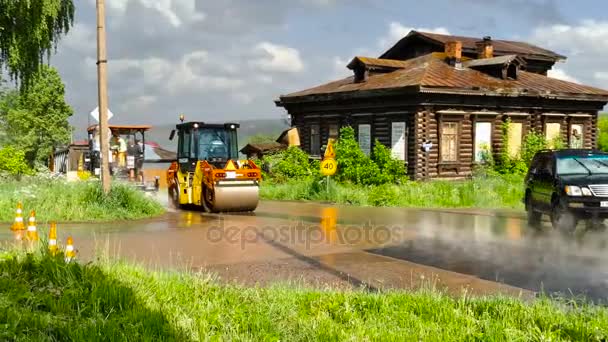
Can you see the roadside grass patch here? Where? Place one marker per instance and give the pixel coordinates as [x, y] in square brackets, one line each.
[496, 191]
[58, 200]
[43, 298]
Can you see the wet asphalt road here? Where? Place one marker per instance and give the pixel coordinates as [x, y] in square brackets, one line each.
[353, 247]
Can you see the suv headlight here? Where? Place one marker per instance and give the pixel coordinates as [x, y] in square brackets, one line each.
[572, 190]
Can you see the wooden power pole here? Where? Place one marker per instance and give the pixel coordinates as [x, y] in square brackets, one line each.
[102, 86]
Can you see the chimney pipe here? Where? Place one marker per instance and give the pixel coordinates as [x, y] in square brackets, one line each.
[485, 48]
[453, 52]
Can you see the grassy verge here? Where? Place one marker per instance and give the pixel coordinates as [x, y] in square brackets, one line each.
[57, 200]
[42, 298]
[484, 192]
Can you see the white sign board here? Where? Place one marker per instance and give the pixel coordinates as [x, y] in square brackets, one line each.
[95, 114]
[398, 140]
[365, 138]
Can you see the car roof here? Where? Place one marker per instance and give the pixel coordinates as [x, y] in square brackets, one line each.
[574, 152]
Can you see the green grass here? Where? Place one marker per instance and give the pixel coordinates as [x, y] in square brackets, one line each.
[57, 200]
[44, 299]
[482, 192]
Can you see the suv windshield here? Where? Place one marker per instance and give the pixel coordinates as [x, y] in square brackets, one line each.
[588, 165]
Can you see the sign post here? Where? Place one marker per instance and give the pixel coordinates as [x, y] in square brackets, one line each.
[329, 166]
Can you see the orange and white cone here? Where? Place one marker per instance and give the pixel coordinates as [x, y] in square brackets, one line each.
[18, 224]
[70, 252]
[53, 238]
[32, 231]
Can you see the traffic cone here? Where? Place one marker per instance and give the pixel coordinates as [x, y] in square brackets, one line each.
[53, 238]
[32, 231]
[18, 224]
[70, 252]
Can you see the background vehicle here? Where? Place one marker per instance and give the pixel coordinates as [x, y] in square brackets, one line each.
[127, 154]
[207, 174]
[568, 185]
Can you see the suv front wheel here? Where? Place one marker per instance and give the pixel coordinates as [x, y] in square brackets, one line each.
[533, 215]
[561, 218]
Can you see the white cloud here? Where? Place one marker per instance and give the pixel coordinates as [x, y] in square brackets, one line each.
[277, 58]
[339, 68]
[189, 74]
[176, 12]
[586, 46]
[601, 75]
[560, 74]
[397, 31]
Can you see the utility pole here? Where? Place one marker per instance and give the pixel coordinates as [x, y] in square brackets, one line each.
[102, 86]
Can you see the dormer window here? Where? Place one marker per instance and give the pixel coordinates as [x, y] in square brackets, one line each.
[363, 66]
[503, 67]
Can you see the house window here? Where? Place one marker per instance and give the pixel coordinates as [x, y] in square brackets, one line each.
[552, 133]
[398, 140]
[315, 140]
[483, 141]
[449, 141]
[365, 138]
[576, 136]
[514, 137]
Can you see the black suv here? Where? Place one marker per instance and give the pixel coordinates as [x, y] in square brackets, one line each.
[568, 185]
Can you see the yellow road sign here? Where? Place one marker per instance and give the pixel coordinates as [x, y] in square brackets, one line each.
[329, 167]
[330, 153]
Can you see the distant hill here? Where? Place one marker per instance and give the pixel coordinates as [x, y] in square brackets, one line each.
[274, 127]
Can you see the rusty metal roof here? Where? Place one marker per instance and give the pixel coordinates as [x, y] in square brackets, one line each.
[430, 73]
[122, 127]
[501, 47]
[263, 147]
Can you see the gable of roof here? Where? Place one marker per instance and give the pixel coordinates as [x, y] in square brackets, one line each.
[501, 60]
[376, 63]
[431, 74]
[501, 47]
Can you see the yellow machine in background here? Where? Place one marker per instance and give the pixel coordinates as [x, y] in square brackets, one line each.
[207, 172]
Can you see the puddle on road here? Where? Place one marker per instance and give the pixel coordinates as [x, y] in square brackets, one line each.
[493, 248]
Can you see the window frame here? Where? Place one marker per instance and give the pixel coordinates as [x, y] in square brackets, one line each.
[475, 131]
[371, 138]
[458, 124]
[570, 126]
[406, 135]
[317, 128]
[546, 131]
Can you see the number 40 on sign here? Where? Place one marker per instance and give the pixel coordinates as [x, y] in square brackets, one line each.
[329, 167]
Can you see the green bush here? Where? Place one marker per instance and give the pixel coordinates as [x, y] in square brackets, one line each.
[12, 161]
[533, 143]
[357, 168]
[602, 138]
[292, 163]
[391, 169]
[353, 165]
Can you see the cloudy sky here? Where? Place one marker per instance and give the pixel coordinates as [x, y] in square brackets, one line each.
[218, 60]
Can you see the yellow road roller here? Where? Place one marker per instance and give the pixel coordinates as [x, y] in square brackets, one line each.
[207, 173]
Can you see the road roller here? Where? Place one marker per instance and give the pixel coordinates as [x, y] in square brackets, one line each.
[207, 173]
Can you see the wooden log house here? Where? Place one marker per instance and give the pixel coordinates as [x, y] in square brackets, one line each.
[453, 92]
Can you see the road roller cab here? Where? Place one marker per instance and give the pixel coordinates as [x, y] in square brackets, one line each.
[207, 172]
